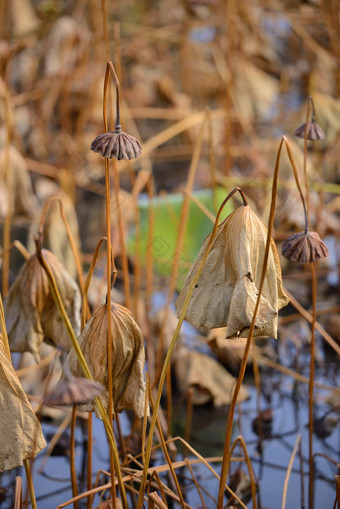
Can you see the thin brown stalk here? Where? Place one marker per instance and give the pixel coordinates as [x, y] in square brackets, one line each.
[302, 480]
[150, 350]
[30, 483]
[62, 427]
[196, 484]
[188, 423]
[289, 469]
[309, 318]
[173, 343]
[18, 502]
[8, 218]
[337, 486]
[240, 440]
[72, 456]
[289, 372]
[89, 458]
[309, 104]
[166, 454]
[4, 329]
[155, 476]
[232, 407]
[311, 388]
[125, 262]
[70, 238]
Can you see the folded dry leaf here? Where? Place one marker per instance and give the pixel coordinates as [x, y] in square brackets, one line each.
[206, 377]
[128, 358]
[21, 434]
[226, 291]
[31, 313]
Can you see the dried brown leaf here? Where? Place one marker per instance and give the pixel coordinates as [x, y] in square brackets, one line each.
[226, 291]
[209, 380]
[31, 313]
[21, 434]
[128, 358]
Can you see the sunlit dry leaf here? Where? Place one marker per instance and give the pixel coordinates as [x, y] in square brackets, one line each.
[31, 313]
[209, 380]
[226, 291]
[21, 434]
[22, 198]
[128, 358]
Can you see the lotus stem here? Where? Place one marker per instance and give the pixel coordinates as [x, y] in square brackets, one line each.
[172, 346]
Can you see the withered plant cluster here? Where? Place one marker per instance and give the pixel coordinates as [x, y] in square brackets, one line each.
[127, 128]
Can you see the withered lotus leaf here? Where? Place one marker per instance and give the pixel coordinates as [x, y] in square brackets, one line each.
[128, 358]
[31, 313]
[207, 379]
[226, 291]
[20, 431]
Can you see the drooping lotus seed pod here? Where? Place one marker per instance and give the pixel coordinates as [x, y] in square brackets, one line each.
[304, 247]
[31, 313]
[73, 391]
[226, 290]
[314, 131]
[128, 358]
[117, 144]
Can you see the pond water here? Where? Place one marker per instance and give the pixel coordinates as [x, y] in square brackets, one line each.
[270, 456]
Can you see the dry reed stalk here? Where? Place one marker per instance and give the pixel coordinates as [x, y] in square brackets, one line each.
[311, 389]
[287, 371]
[289, 469]
[155, 502]
[171, 348]
[226, 454]
[109, 273]
[241, 441]
[318, 326]
[337, 486]
[4, 329]
[150, 350]
[18, 502]
[89, 276]
[159, 483]
[89, 459]
[20, 247]
[71, 241]
[62, 427]
[8, 218]
[73, 471]
[197, 486]
[188, 423]
[166, 453]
